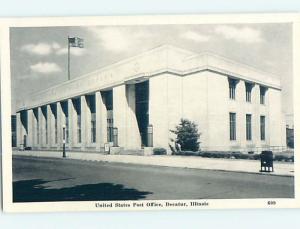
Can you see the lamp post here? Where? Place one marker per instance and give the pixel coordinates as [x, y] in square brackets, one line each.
[64, 141]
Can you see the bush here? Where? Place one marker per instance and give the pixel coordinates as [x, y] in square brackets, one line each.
[216, 154]
[228, 154]
[281, 157]
[187, 135]
[159, 151]
[187, 153]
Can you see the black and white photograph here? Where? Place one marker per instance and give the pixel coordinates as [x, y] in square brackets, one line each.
[152, 115]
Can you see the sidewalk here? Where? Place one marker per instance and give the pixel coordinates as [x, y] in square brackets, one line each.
[248, 166]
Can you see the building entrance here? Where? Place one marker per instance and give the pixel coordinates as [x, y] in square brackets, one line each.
[142, 109]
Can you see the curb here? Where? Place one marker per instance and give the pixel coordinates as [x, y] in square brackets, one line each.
[185, 167]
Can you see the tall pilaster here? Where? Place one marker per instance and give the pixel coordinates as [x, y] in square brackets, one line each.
[30, 120]
[101, 122]
[40, 127]
[84, 111]
[52, 114]
[71, 113]
[119, 103]
[49, 126]
[133, 140]
[59, 124]
[19, 129]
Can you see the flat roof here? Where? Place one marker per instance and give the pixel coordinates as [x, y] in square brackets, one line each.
[163, 59]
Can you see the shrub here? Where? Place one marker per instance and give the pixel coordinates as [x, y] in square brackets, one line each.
[187, 135]
[159, 151]
[187, 153]
[281, 157]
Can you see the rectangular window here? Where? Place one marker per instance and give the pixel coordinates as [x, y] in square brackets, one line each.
[93, 127]
[110, 126]
[91, 102]
[262, 95]
[232, 129]
[248, 92]
[262, 128]
[232, 86]
[248, 127]
[79, 127]
[77, 106]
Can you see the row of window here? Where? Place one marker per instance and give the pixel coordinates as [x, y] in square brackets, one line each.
[248, 88]
[232, 127]
[90, 99]
[93, 129]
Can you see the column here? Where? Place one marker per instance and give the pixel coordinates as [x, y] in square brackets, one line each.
[101, 122]
[256, 115]
[30, 121]
[41, 123]
[49, 125]
[52, 124]
[132, 129]
[88, 121]
[19, 129]
[84, 108]
[71, 113]
[59, 125]
[119, 103]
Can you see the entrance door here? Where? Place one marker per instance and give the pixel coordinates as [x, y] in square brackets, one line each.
[142, 109]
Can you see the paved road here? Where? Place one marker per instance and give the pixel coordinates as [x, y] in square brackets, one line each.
[45, 179]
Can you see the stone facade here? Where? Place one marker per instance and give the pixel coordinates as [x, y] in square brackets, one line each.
[118, 103]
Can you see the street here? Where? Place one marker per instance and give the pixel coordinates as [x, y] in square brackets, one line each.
[49, 179]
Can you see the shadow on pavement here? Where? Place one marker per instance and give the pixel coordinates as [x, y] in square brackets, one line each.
[34, 191]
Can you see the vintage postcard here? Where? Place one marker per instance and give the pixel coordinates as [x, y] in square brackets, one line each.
[150, 112]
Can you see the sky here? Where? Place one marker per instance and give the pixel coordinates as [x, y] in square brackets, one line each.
[39, 55]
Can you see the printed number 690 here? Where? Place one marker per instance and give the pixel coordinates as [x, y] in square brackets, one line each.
[271, 202]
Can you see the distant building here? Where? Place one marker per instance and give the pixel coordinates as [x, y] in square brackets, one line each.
[236, 107]
[14, 131]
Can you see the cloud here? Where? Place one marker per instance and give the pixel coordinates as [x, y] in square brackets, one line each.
[41, 48]
[74, 51]
[45, 68]
[242, 35]
[55, 46]
[194, 36]
[44, 49]
[118, 40]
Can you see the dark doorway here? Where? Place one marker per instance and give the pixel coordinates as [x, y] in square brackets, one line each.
[142, 109]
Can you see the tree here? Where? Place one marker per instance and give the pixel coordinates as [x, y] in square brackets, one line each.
[187, 135]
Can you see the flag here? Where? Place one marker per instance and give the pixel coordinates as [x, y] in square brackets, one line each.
[75, 42]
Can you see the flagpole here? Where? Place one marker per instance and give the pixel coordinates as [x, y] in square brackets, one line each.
[68, 58]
